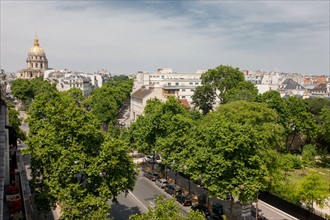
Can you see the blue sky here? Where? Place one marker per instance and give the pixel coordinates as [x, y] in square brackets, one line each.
[128, 36]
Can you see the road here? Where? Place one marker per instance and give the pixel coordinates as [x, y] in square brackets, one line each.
[137, 201]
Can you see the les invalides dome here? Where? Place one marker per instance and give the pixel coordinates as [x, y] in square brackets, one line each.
[36, 62]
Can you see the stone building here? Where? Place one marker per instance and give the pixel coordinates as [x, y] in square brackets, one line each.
[36, 62]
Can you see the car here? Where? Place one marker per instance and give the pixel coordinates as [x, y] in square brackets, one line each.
[202, 209]
[217, 209]
[161, 183]
[184, 200]
[152, 158]
[173, 189]
[151, 176]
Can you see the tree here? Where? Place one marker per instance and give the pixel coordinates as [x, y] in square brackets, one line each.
[313, 189]
[222, 79]
[308, 155]
[324, 127]
[204, 98]
[22, 90]
[73, 163]
[244, 90]
[166, 210]
[300, 122]
[15, 121]
[106, 102]
[233, 145]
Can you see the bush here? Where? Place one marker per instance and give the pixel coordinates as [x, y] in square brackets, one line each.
[308, 155]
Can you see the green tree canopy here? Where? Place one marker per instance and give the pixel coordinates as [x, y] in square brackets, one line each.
[244, 90]
[313, 189]
[233, 145]
[72, 161]
[215, 84]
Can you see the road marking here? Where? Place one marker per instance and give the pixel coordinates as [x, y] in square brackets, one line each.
[138, 200]
[152, 204]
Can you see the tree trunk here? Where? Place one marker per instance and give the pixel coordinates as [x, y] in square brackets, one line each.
[231, 207]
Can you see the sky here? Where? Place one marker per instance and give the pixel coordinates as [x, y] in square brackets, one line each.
[129, 36]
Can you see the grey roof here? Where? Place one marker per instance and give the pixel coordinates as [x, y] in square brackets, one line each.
[141, 93]
[291, 84]
[320, 87]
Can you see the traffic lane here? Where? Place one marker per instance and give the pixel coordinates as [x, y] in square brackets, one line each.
[147, 191]
[126, 206]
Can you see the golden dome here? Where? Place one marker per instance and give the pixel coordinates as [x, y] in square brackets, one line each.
[36, 50]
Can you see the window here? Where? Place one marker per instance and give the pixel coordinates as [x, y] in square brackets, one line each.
[176, 84]
[196, 83]
[190, 83]
[183, 96]
[192, 90]
[183, 90]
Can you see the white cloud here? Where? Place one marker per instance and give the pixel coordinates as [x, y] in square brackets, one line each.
[125, 37]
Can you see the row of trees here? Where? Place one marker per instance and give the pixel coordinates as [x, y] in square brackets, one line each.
[237, 147]
[305, 121]
[73, 163]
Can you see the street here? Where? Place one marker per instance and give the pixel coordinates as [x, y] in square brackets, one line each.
[143, 195]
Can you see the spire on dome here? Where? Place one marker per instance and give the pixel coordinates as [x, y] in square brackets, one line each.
[36, 40]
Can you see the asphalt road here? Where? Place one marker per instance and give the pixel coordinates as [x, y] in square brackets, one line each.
[138, 201]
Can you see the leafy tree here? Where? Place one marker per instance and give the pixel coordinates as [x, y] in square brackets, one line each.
[313, 189]
[324, 128]
[162, 128]
[22, 90]
[204, 98]
[308, 155]
[274, 101]
[106, 102]
[76, 94]
[244, 90]
[315, 106]
[72, 161]
[166, 210]
[15, 121]
[300, 122]
[215, 84]
[231, 153]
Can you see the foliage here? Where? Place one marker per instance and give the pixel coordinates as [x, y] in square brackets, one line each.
[232, 144]
[162, 128]
[215, 84]
[15, 121]
[308, 155]
[324, 128]
[315, 106]
[105, 102]
[120, 77]
[72, 161]
[22, 89]
[299, 121]
[204, 98]
[166, 210]
[244, 90]
[313, 189]
[25, 90]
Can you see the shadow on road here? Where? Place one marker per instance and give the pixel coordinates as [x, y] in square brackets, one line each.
[122, 212]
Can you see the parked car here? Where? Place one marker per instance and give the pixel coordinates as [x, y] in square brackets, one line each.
[185, 200]
[161, 183]
[217, 209]
[202, 209]
[151, 176]
[173, 189]
[152, 158]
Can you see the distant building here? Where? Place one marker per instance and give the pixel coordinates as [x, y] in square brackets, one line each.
[289, 87]
[36, 62]
[87, 82]
[319, 91]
